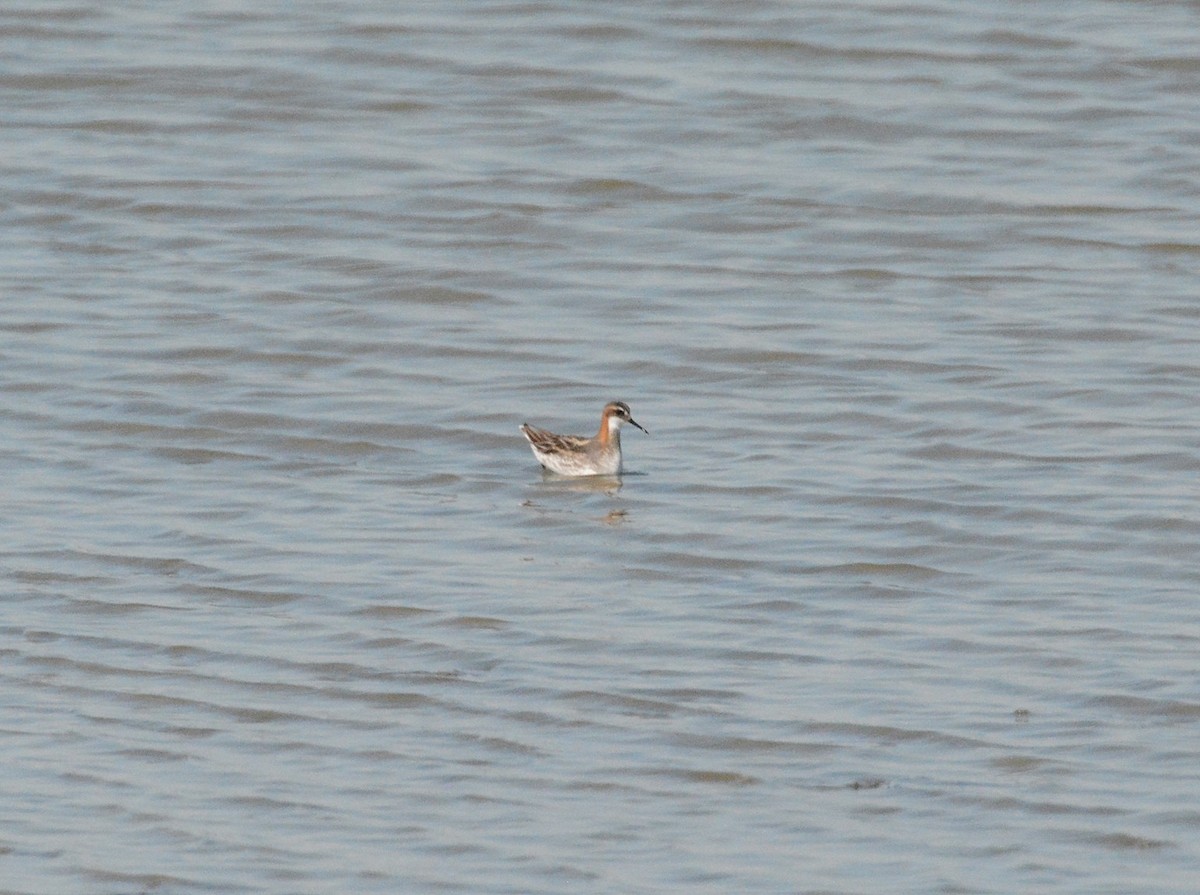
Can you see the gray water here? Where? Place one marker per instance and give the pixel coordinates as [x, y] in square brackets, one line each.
[900, 594]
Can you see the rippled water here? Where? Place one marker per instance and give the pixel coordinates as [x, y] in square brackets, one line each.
[899, 595]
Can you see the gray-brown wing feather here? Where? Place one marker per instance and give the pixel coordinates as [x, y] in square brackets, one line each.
[549, 443]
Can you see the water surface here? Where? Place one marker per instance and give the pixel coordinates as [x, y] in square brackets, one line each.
[900, 594]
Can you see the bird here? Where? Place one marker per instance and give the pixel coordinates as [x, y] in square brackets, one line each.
[576, 455]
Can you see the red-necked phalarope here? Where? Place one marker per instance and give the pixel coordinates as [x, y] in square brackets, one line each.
[576, 455]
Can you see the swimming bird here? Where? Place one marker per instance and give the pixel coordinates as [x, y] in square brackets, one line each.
[577, 455]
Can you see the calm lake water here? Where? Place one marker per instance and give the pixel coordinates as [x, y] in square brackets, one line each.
[901, 593]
